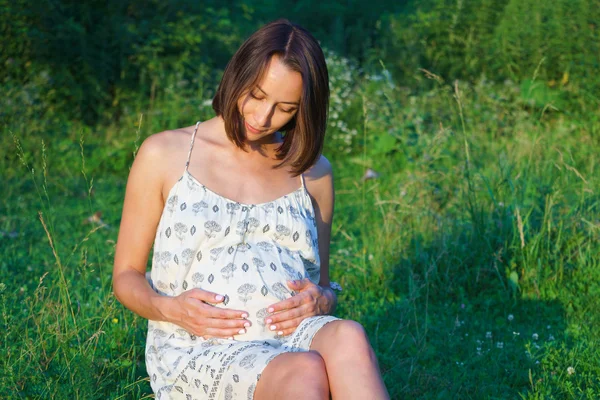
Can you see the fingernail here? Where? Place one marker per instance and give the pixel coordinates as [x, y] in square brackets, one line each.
[219, 297]
[244, 315]
[231, 338]
[269, 321]
[247, 324]
[273, 327]
[280, 333]
[242, 331]
[271, 309]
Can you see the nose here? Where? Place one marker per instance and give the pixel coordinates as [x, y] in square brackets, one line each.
[262, 114]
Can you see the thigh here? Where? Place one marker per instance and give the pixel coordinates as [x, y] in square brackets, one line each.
[305, 332]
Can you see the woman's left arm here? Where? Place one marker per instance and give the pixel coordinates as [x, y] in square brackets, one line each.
[324, 199]
[311, 299]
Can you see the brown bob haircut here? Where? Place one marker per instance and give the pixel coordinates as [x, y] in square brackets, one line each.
[303, 136]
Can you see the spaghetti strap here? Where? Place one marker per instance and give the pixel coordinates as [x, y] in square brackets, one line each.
[187, 164]
[207, 241]
[302, 180]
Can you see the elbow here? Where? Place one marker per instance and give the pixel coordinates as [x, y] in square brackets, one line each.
[117, 289]
[125, 282]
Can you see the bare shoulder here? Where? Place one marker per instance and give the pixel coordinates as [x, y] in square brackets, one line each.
[161, 158]
[320, 170]
[161, 151]
[163, 144]
[319, 180]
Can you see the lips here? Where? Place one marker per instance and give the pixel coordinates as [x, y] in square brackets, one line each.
[251, 129]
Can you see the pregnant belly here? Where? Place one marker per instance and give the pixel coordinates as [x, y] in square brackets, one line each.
[254, 293]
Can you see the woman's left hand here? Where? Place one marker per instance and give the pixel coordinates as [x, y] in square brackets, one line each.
[309, 300]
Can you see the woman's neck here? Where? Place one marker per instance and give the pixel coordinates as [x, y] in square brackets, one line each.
[266, 146]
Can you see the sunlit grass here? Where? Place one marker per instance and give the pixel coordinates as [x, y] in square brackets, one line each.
[470, 254]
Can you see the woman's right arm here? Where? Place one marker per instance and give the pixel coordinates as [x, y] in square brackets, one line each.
[142, 210]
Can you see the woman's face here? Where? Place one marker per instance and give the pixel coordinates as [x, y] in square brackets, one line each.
[273, 102]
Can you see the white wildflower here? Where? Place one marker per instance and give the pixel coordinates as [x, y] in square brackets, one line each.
[370, 174]
[570, 370]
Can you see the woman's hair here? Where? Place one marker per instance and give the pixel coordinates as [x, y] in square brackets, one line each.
[299, 51]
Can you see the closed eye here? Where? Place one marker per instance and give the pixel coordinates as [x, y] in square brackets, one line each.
[255, 96]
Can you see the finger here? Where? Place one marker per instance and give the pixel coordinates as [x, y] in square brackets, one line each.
[289, 324]
[289, 314]
[299, 284]
[286, 332]
[222, 333]
[286, 304]
[208, 310]
[226, 323]
[206, 329]
[205, 295]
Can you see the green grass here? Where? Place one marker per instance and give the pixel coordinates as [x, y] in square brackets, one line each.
[471, 259]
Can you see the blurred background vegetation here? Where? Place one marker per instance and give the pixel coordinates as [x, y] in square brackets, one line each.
[88, 60]
[464, 136]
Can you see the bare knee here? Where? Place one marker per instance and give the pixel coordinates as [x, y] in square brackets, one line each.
[350, 334]
[294, 375]
[310, 365]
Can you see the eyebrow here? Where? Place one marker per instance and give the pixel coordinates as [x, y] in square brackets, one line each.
[284, 102]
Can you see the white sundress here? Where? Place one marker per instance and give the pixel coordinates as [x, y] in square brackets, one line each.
[246, 252]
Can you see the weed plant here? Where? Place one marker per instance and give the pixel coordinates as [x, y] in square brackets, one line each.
[465, 238]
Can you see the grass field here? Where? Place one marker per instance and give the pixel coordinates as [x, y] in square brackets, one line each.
[470, 254]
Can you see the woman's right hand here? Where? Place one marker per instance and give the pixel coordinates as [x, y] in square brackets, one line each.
[193, 310]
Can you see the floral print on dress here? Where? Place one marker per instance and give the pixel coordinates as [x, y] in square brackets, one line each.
[247, 253]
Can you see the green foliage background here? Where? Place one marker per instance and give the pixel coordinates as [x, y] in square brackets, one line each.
[470, 256]
[558, 42]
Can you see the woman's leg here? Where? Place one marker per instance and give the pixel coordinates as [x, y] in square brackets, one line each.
[291, 376]
[350, 361]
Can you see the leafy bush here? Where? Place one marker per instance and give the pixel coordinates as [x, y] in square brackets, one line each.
[98, 53]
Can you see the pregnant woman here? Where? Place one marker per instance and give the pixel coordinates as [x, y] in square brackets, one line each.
[239, 211]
